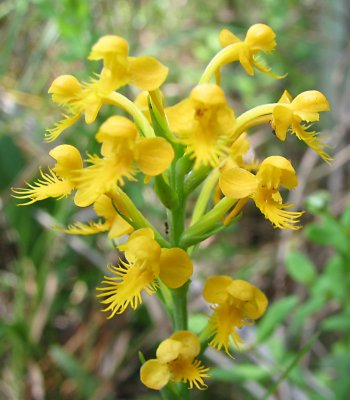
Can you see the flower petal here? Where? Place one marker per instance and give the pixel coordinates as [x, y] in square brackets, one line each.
[252, 301]
[86, 196]
[237, 183]
[255, 309]
[154, 374]
[92, 110]
[276, 211]
[114, 132]
[153, 155]
[241, 290]
[119, 227]
[223, 324]
[277, 171]
[282, 119]
[49, 185]
[102, 176]
[168, 350]
[215, 289]
[181, 116]
[308, 104]
[246, 60]
[79, 228]
[260, 37]
[65, 89]
[208, 94]
[143, 232]
[142, 248]
[313, 140]
[226, 38]
[58, 127]
[146, 73]
[68, 159]
[107, 46]
[175, 267]
[190, 345]
[125, 286]
[193, 373]
[286, 98]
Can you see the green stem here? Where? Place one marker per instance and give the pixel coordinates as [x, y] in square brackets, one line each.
[177, 214]
[250, 118]
[137, 218]
[204, 196]
[194, 179]
[165, 297]
[177, 226]
[123, 102]
[208, 221]
[224, 56]
[165, 194]
[180, 307]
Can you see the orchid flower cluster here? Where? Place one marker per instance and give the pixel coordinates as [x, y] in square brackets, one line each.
[195, 149]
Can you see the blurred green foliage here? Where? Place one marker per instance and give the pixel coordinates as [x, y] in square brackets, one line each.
[55, 343]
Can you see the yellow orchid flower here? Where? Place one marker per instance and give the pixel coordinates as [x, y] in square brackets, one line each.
[175, 362]
[289, 114]
[119, 69]
[146, 262]
[259, 38]
[145, 72]
[59, 181]
[236, 303]
[203, 123]
[263, 188]
[124, 152]
[114, 224]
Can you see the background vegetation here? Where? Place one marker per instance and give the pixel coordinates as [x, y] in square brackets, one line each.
[54, 341]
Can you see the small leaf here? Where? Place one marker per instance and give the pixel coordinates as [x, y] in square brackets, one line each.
[311, 306]
[239, 373]
[345, 218]
[300, 268]
[141, 357]
[318, 202]
[276, 313]
[337, 323]
[329, 233]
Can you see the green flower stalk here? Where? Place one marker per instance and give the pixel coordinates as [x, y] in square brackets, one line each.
[192, 153]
